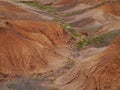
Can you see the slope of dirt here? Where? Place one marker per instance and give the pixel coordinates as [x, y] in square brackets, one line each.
[99, 72]
[14, 12]
[112, 8]
[65, 2]
[28, 47]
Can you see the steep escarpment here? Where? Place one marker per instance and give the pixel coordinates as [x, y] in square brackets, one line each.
[101, 71]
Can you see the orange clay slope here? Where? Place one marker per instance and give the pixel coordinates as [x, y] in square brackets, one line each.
[14, 12]
[29, 47]
[99, 72]
[112, 8]
[65, 2]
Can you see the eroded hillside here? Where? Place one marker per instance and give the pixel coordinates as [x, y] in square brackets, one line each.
[59, 44]
[28, 46]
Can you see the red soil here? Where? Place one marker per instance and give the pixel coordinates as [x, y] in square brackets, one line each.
[28, 46]
[25, 46]
[14, 12]
[112, 8]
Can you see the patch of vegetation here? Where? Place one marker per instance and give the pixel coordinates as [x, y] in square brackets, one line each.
[66, 26]
[90, 41]
[54, 13]
[99, 41]
[102, 40]
[75, 34]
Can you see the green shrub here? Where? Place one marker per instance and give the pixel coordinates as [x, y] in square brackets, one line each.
[91, 41]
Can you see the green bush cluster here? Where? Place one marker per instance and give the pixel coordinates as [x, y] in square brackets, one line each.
[84, 42]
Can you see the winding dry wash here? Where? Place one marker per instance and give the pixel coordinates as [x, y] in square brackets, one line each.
[59, 45]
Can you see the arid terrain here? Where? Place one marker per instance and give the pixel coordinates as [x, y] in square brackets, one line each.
[59, 44]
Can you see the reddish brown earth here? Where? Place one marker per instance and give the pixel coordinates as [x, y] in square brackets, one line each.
[14, 12]
[66, 2]
[112, 8]
[28, 46]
